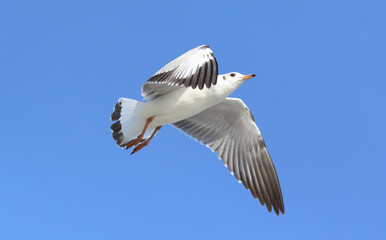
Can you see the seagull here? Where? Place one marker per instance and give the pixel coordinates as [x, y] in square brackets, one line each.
[189, 94]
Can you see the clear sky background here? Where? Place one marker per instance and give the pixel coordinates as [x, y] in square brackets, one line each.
[318, 98]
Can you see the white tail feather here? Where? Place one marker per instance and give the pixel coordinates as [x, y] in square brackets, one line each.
[129, 124]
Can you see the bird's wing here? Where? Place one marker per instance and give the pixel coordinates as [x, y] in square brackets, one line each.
[229, 129]
[195, 68]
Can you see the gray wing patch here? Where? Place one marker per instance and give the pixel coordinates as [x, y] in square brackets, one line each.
[228, 129]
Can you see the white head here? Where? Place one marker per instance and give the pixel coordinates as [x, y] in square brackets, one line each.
[231, 81]
[235, 76]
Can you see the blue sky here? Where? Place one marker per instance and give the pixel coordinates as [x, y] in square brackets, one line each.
[318, 98]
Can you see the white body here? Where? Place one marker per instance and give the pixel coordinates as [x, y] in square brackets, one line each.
[174, 106]
[186, 102]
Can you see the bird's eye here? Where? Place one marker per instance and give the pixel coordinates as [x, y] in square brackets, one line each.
[233, 74]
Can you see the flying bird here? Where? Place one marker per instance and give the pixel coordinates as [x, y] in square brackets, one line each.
[189, 94]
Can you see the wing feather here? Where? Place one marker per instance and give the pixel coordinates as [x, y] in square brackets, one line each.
[195, 68]
[228, 128]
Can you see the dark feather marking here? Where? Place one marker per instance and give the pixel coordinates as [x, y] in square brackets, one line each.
[274, 182]
[208, 78]
[117, 107]
[210, 74]
[209, 70]
[117, 112]
[215, 72]
[159, 77]
[201, 81]
[116, 127]
[118, 137]
[194, 83]
[181, 81]
[115, 116]
[267, 183]
[165, 77]
[262, 185]
[189, 80]
[258, 183]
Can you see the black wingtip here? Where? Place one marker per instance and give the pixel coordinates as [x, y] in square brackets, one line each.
[278, 208]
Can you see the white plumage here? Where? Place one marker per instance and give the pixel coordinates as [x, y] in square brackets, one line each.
[189, 93]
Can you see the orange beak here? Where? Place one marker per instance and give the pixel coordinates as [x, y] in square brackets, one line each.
[246, 77]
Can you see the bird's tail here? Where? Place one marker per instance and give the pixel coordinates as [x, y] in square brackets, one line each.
[129, 124]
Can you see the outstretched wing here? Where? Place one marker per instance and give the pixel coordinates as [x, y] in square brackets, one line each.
[195, 68]
[228, 128]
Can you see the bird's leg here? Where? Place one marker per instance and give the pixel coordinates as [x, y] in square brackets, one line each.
[145, 143]
[140, 136]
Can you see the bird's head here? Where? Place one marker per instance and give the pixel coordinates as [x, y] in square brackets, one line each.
[231, 81]
[235, 77]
